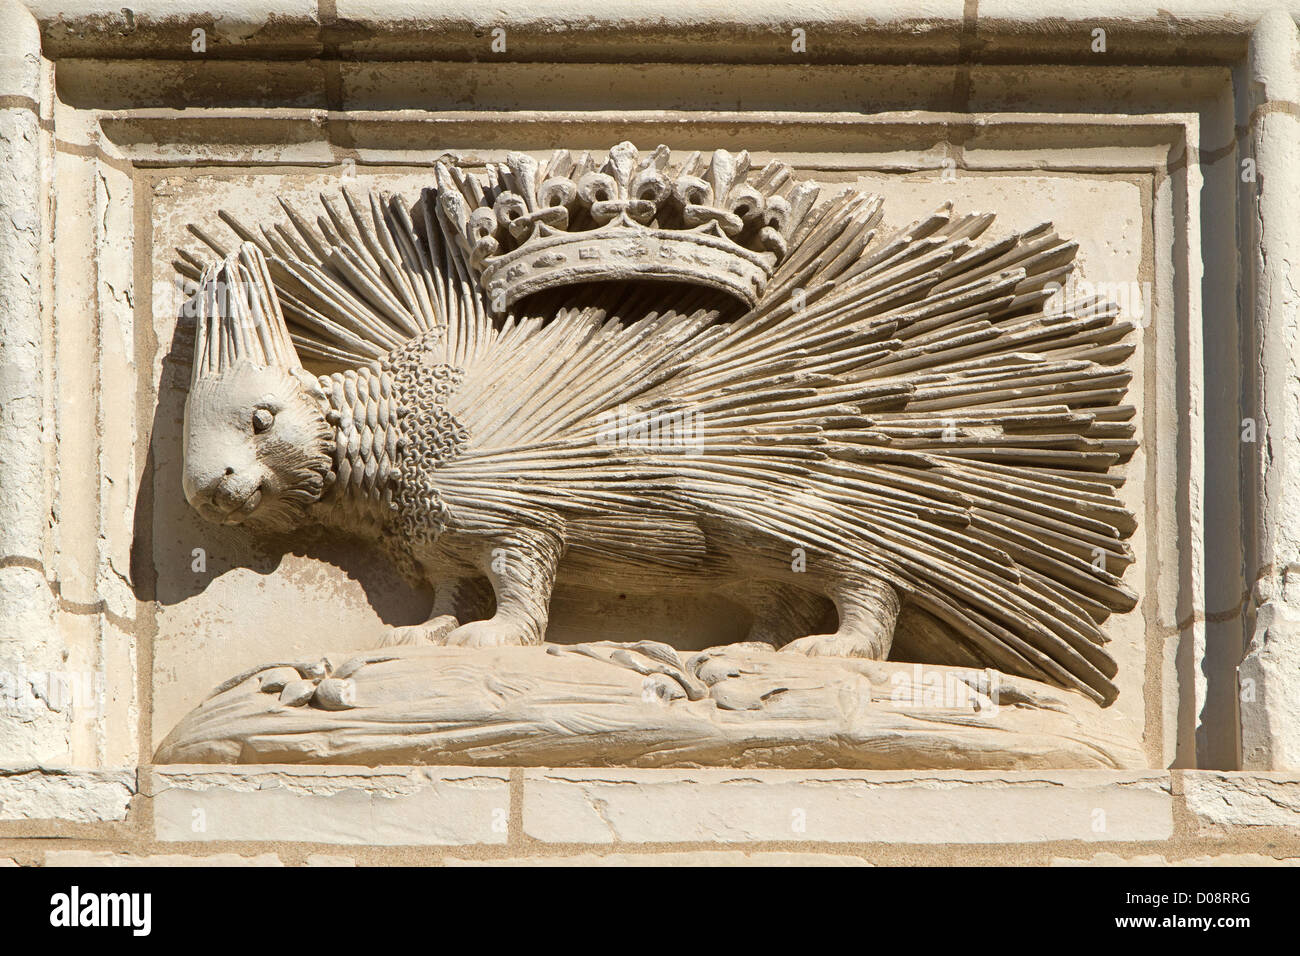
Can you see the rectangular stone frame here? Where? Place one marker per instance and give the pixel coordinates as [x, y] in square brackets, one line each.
[1197, 103]
[171, 143]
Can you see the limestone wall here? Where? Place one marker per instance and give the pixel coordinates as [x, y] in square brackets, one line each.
[1165, 145]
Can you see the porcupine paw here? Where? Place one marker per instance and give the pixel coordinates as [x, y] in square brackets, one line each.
[432, 631]
[494, 632]
[833, 645]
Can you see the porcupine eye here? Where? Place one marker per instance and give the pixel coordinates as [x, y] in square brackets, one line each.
[262, 420]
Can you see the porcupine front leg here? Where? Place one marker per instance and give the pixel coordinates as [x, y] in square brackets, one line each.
[455, 599]
[520, 566]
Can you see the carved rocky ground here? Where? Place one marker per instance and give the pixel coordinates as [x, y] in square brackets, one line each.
[640, 705]
[896, 436]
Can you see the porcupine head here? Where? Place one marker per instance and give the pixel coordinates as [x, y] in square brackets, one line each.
[258, 447]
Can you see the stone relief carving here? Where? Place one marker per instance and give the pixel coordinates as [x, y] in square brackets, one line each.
[671, 376]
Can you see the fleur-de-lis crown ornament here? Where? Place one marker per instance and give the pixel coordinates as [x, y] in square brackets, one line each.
[526, 227]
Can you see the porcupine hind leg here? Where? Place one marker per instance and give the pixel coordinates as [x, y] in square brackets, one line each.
[521, 568]
[868, 610]
[782, 612]
[456, 599]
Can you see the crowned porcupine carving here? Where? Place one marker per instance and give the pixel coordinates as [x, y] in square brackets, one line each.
[893, 436]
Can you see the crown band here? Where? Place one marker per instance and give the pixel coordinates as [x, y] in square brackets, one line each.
[624, 250]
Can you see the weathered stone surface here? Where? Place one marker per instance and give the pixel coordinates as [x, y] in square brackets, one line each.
[29, 640]
[76, 796]
[1156, 859]
[381, 807]
[1221, 802]
[88, 858]
[1270, 672]
[633, 806]
[1267, 679]
[699, 858]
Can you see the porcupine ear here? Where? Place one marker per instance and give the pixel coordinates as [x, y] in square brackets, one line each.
[239, 318]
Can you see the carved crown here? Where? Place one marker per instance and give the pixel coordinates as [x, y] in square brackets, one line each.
[527, 227]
